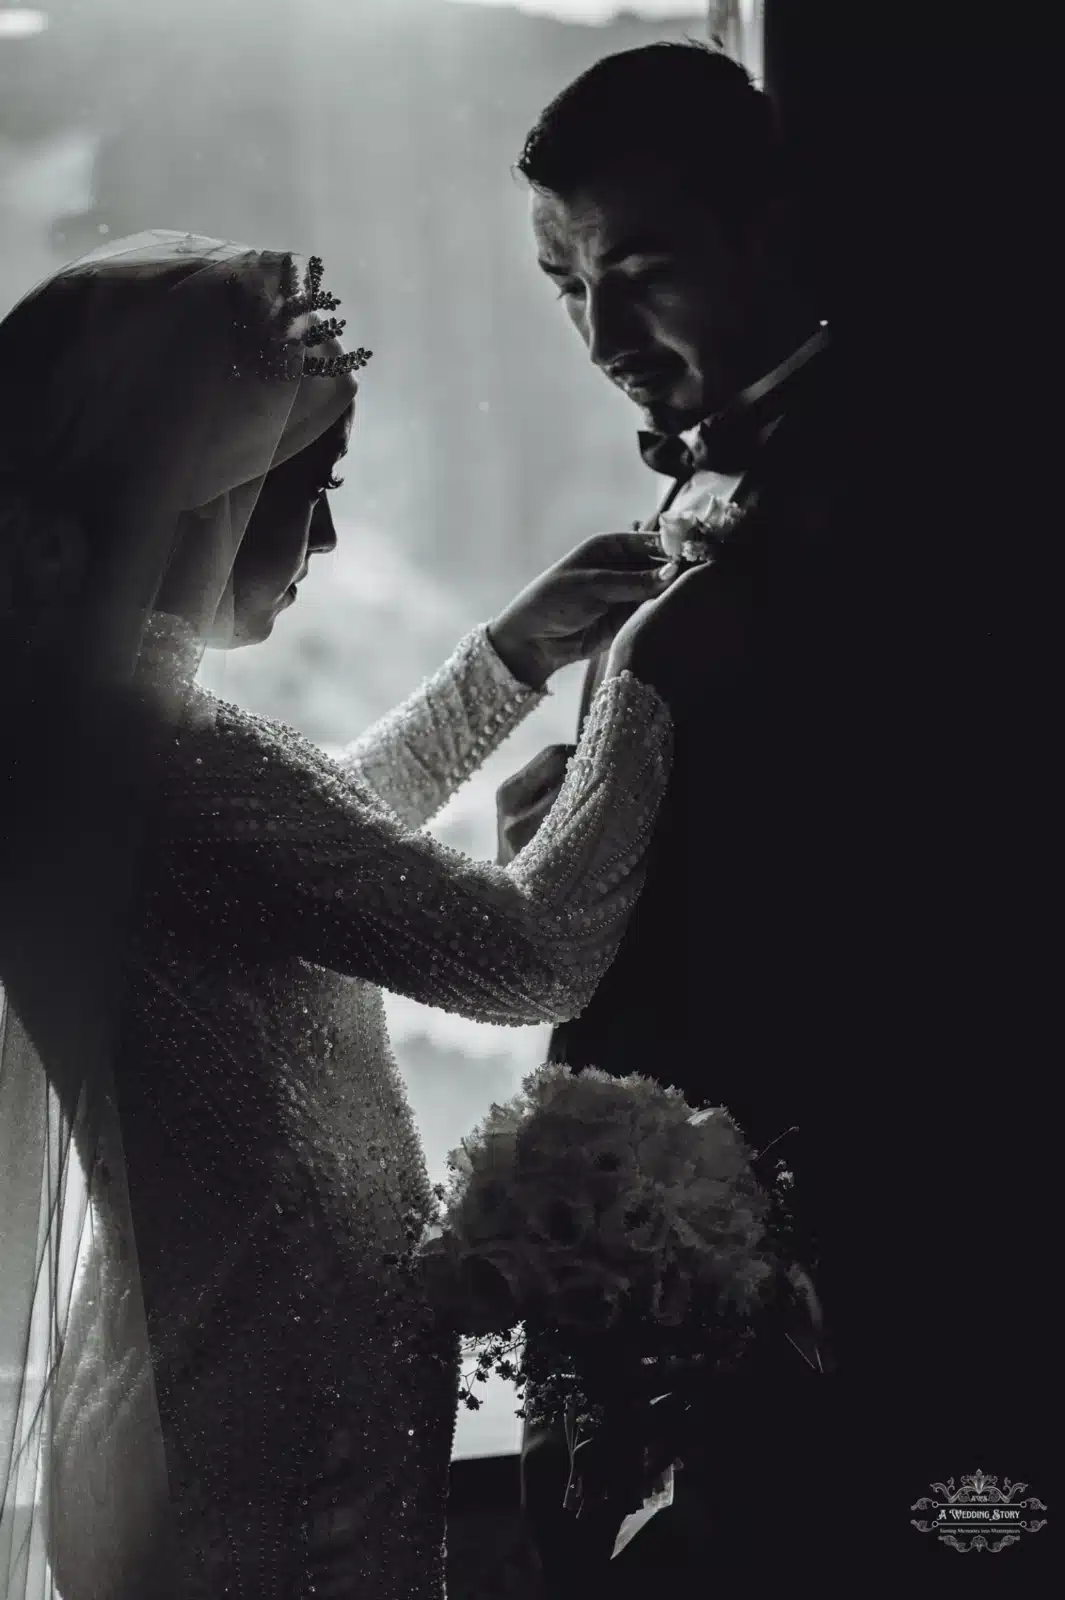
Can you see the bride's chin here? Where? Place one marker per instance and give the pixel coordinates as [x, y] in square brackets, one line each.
[246, 631]
[254, 627]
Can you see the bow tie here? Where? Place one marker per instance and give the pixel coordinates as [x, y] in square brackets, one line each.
[729, 441]
[726, 443]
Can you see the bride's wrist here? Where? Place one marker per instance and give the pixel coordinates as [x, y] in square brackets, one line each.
[520, 660]
[619, 660]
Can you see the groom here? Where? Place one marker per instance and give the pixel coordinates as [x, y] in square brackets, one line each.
[661, 215]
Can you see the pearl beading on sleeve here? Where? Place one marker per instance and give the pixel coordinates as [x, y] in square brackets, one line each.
[277, 845]
[418, 755]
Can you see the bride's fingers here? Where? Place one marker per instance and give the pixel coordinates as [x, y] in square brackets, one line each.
[601, 593]
[605, 628]
[621, 549]
[678, 585]
[607, 585]
[693, 575]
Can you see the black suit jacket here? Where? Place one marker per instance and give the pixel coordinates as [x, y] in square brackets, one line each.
[748, 846]
[755, 968]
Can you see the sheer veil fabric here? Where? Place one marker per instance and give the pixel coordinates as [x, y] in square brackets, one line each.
[165, 378]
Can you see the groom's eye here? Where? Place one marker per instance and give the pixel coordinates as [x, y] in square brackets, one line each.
[566, 290]
[650, 272]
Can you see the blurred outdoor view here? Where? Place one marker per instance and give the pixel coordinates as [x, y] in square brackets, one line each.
[379, 134]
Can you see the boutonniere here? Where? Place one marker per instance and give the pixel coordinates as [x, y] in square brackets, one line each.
[696, 532]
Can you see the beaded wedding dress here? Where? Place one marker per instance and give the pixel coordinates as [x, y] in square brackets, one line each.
[275, 1177]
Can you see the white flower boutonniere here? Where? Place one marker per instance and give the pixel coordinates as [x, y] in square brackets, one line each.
[694, 532]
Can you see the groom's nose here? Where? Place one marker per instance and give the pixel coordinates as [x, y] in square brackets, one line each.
[610, 328]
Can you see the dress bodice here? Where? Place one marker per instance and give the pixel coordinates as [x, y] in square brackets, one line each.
[276, 1178]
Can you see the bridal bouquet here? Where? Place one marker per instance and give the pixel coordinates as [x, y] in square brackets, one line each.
[609, 1248]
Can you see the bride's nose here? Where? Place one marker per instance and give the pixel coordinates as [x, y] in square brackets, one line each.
[323, 537]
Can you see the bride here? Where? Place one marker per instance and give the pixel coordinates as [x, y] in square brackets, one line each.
[228, 1381]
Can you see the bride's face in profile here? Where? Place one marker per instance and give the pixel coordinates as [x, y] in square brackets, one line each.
[290, 524]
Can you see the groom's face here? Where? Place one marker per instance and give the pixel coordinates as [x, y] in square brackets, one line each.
[663, 297]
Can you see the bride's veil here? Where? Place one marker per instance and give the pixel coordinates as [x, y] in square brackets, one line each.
[145, 391]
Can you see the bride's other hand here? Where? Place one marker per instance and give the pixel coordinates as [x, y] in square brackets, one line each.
[574, 609]
[524, 800]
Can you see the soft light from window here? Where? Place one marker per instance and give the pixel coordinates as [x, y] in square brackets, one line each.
[20, 24]
[599, 11]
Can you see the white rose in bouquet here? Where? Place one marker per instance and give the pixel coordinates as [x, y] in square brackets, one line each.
[604, 1241]
[589, 1200]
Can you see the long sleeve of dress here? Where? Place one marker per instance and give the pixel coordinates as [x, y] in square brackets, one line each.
[416, 757]
[283, 851]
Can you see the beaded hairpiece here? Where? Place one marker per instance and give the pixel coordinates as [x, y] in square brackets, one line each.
[301, 303]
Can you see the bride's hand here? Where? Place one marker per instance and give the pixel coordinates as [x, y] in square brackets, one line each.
[574, 609]
[694, 603]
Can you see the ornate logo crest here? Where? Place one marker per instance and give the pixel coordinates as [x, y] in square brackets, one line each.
[978, 1515]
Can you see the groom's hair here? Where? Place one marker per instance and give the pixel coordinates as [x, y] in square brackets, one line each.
[687, 107]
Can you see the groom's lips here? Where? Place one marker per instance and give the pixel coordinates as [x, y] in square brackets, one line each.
[641, 382]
